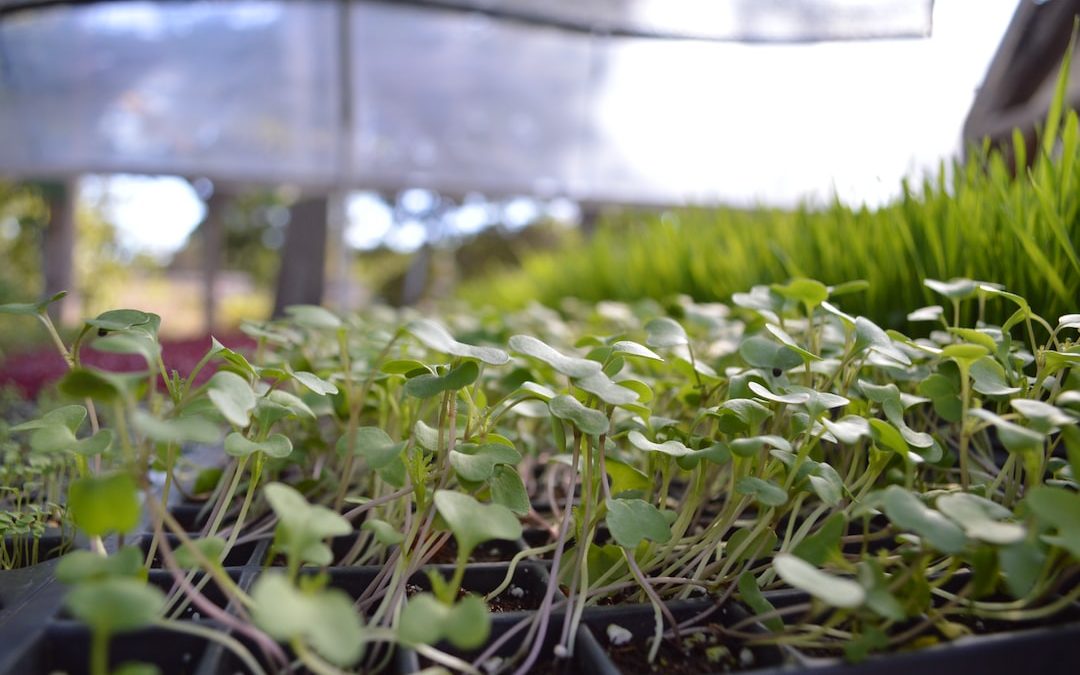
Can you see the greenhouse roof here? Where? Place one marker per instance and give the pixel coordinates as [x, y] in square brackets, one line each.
[543, 97]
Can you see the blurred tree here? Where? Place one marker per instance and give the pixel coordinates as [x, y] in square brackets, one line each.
[302, 273]
[255, 232]
[23, 217]
[254, 223]
[457, 260]
[102, 265]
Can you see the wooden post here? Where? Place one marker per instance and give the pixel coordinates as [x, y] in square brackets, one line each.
[1020, 82]
[58, 249]
[303, 257]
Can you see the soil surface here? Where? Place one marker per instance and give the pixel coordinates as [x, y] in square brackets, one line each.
[513, 599]
[698, 653]
[545, 665]
[489, 551]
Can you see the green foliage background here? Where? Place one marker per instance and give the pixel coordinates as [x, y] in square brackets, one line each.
[973, 220]
[23, 216]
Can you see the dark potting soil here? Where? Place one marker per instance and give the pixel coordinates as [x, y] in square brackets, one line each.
[705, 652]
[626, 596]
[489, 551]
[507, 601]
[239, 555]
[545, 665]
[340, 547]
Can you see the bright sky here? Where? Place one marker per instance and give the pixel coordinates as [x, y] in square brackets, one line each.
[789, 123]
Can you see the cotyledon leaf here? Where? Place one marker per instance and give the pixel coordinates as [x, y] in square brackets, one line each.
[909, 512]
[232, 396]
[30, 308]
[833, 590]
[426, 621]
[672, 448]
[889, 437]
[751, 595]
[789, 399]
[631, 348]
[275, 445]
[1014, 437]
[592, 422]
[606, 389]
[474, 523]
[929, 313]
[385, 532]
[120, 319]
[428, 385]
[976, 337]
[374, 445]
[817, 402]
[315, 383]
[1042, 412]
[508, 489]
[541, 351]
[848, 429]
[631, 520]
[748, 447]
[981, 518]
[194, 428]
[313, 316]
[747, 411]
[764, 491]
[789, 342]
[810, 292]
[893, 404]
[1060, 509]
[324, 618]
[436, 338]
[988, 377]
[71, 416]
[761, 352]
[425, 436]
[826, 483]
[664, 332]
[477, 463]
[954, 289]
[845, 318]
[868, 335]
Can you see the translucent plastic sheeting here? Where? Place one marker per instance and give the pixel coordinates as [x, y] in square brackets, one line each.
[735, 20]
[459, 102]
[249, 90]
[389, 95]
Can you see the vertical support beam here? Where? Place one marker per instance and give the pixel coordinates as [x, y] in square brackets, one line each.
[339, 261]
[416, 276]
[1020, 83]
[213, 236]
[303, 257]
[590, 218]
[58, 249]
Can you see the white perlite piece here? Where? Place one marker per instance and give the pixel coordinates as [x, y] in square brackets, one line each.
[618, 635]
[492, 665]
[561, 652]
[517, 592]
[746, 657]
